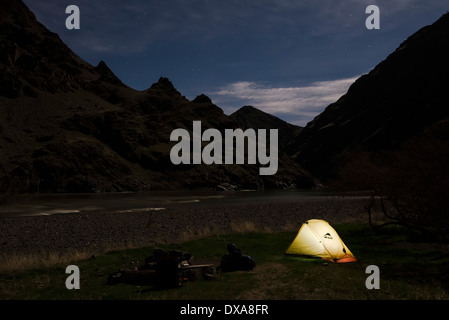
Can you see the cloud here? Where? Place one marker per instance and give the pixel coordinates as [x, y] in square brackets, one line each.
[297, 105]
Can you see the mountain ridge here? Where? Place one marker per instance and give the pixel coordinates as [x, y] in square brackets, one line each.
[251, 117]
[69, 126]
[400, 98]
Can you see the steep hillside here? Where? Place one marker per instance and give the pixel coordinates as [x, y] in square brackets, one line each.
[68, 126]
[403, 98]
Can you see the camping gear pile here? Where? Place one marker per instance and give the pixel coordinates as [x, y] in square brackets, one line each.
[164, 269]
[234, 260]
[174, 268]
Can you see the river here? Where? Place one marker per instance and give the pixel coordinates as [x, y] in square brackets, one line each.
[49, 204]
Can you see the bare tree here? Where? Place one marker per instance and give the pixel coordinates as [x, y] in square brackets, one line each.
[409, 186]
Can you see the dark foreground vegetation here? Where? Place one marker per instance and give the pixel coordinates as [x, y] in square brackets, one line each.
[410, 268]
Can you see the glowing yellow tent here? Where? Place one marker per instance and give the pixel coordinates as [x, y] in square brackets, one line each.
[317, 238]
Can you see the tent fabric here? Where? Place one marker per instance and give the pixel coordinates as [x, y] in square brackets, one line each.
[317, 238]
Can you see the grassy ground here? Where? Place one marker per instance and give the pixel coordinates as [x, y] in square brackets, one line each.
[408, 270]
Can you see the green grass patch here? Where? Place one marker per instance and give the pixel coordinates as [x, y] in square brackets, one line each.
[408, 270]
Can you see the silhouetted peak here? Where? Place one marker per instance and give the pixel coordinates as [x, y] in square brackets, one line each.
[250, 111]
[106, 74]
[202, 98]
[102, 68]
[253, 117]
[250, 117]
[246, 109]
[163, 83]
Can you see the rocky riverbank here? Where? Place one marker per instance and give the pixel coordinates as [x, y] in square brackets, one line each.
[98, 233]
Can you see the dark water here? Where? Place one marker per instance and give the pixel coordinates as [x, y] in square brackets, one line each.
[48, 204]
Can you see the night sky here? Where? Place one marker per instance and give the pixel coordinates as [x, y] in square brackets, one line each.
[290, 58]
